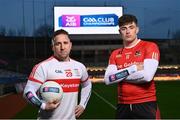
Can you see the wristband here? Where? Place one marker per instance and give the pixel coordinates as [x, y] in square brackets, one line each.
[118, 75]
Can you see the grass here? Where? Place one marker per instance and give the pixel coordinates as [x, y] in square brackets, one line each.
[168, 94]
[102, 102]
[104, 99]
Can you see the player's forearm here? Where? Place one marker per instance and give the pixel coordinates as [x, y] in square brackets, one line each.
[145, 75]
[85, 93]
[112, 75]
[31, 96]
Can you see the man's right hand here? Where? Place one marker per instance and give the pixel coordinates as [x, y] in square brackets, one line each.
[52, 105]
[140, 67]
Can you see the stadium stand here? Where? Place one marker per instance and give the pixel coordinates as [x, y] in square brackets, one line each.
[11, 82]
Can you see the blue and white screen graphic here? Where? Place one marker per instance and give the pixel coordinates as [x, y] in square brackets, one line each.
[87, 20]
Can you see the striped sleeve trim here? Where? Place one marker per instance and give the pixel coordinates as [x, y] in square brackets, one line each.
[155, 55]
[85, 80]
[35, 80]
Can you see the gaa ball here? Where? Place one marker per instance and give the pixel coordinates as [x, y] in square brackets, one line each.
[51, 91]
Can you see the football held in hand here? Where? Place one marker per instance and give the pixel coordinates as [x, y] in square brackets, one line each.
[51, 91]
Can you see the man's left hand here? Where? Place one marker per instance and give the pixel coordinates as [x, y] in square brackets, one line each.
[79, 110]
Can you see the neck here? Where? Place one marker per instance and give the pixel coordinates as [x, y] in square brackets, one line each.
[131, 43]
[62, 59]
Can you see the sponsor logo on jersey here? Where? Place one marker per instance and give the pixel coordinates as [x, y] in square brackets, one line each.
[129, 64]
[119, 66]
[69, 85]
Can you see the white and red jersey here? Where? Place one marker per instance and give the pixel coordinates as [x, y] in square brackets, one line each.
[130, 93]
[69, 75]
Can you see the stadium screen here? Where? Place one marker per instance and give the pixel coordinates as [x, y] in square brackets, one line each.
[87, 20]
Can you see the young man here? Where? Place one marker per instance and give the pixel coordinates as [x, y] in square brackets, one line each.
[133, 68]
[68, 73]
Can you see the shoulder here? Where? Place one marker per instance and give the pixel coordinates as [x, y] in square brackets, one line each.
[116, 51]
[77, 63]
[149, 44]
[44, 62]
[150, 47]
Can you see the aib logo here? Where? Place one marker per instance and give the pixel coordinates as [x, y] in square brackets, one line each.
[70, 20]
[112, 78]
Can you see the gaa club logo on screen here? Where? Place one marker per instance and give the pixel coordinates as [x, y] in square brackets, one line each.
[101, 20]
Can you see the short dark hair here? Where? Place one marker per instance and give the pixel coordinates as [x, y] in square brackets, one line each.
[60, 31]
[127, 18]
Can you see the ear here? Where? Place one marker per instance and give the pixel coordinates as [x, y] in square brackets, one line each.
[52, 47]
[70, 45]
[119, 31]
[137, 30]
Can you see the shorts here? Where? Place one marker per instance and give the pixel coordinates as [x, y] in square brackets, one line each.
[146, 110]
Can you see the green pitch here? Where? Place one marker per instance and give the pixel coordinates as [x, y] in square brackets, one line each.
[104, 98]
[168, 94]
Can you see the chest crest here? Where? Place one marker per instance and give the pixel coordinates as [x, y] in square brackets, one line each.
[137, 53]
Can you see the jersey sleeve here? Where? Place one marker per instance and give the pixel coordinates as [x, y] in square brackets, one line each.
[145, 75]
[152, 52]
[112, 58]
[30, 94]
[86, 87]
[85, 75]
[34, 82]
[37, 74]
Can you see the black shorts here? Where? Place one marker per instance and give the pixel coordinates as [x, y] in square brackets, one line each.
[146, 110]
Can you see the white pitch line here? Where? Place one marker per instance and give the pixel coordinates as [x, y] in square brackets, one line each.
[106, 101]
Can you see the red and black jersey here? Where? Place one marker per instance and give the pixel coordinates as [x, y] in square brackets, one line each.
[130, 93]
